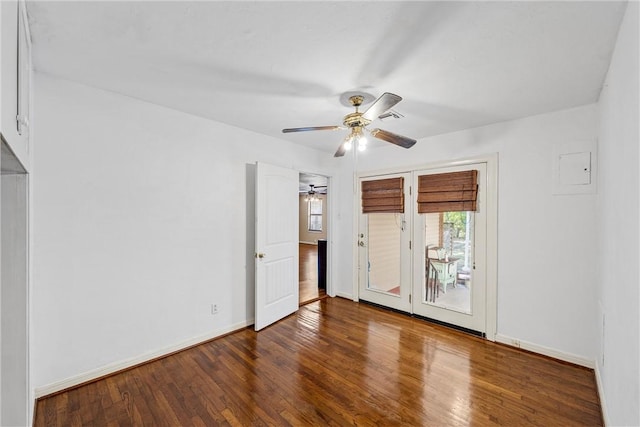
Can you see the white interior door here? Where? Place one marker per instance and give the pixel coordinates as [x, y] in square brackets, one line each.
[276, 252]
[384, 254]
[454, 289]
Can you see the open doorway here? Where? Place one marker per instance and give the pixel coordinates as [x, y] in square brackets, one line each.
[312, 254]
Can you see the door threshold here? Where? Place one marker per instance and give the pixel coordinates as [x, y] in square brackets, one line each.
[428, 319]
[384, 307]
[451, 326]
[321, 297]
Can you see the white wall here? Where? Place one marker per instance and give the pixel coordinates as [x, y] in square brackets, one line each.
[546, 243]
[618, 216]
[140, 219]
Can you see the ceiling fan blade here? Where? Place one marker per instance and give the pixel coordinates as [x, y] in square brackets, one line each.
[382, 104]
[289, 130]
[341, 150]
[400, 140]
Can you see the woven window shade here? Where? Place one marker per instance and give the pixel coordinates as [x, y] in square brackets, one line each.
[448, 192]
[383, 196]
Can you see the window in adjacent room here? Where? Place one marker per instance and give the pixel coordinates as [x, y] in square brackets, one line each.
[315, 215]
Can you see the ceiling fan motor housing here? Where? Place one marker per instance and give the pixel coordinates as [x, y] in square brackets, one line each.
[355, 120]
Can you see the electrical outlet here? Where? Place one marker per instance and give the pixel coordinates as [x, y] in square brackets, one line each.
[214, 308]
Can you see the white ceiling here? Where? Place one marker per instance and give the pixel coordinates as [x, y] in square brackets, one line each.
[264, 66]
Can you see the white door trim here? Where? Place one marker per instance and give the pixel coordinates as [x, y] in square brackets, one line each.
[331, 209]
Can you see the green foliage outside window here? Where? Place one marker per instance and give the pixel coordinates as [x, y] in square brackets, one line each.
[458, 220]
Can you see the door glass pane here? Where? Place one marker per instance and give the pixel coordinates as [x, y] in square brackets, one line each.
[384, 237]
[449, 260]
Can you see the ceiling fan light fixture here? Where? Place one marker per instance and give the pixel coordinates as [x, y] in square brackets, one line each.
[355, 137]
[312, 194]
[348, 142]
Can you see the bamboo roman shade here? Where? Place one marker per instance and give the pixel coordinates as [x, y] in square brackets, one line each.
[383, 196]
[448, 192]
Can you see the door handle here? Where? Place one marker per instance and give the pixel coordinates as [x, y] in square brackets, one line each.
[260, 255]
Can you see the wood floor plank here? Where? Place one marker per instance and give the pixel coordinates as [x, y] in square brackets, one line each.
[308, 274]
[336, 363]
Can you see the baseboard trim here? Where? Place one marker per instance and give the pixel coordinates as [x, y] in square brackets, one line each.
[123, 365]
[309, 243]
[545, 351]
[603, 404]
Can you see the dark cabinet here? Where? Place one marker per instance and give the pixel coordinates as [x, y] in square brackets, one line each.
[322, 264]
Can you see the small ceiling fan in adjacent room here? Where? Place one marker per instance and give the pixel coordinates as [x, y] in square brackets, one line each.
[357, 122]
[312, 193]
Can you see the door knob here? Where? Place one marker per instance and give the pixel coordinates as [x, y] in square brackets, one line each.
[361, 243]
[260, 255]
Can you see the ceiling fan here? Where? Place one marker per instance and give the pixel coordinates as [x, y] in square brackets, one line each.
[313, 192]
[358, 123]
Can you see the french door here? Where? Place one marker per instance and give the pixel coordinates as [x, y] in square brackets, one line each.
[384, 251]
[434, 265]
[450, 259]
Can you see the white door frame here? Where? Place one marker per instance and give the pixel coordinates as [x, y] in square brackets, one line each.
[492, 228]
[330, 213]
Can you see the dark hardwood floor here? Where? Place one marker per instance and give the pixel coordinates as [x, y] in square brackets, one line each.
[336, 362]
[308, 274]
